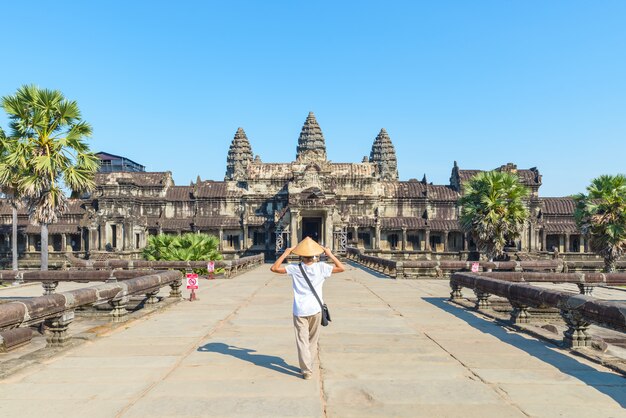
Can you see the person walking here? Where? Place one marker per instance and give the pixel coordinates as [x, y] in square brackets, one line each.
[307, 312]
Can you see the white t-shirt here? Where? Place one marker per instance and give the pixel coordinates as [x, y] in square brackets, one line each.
[304, 302]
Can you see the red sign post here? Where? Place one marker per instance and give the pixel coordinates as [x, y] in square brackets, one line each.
[192, 283]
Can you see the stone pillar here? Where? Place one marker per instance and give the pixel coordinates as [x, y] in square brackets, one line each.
[566, 249]
[445, 241]
[266, 228]
[544, 240]
[403, 239]
[328, 231]
[244, 241]
[356, 235]
[49, 288]
[129, 242]
[427, 239]
[466, 242]
[221, 237]
[63, 243]
[293, 236]
[56, 329]
[377, 237]
[576, 334]
[519, 313]
[93, 239]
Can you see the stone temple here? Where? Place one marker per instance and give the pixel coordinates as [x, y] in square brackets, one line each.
[263, 207]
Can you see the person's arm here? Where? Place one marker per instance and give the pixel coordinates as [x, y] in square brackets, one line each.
[277, 267]
[338, 268]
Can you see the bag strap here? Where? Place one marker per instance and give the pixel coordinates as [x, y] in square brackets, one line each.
[310, 285]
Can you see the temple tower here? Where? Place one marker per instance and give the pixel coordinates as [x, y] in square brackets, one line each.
[384, 155]
[311, 144]
[239, 156]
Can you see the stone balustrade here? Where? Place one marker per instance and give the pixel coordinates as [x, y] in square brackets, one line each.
[577, 310]
[56, 311]
[413, 269]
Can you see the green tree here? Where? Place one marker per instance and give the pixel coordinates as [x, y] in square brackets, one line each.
[186, 247]
[49, 135]
[601, 216]
[9, 185]
[493, 210]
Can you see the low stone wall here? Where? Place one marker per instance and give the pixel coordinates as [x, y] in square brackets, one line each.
[56, 311]
[577, 310]
[413, 269]
[231, 267]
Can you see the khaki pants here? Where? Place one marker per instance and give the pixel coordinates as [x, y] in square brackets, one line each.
[307, 333]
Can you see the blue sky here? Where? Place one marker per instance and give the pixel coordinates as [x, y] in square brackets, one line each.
[484, 83]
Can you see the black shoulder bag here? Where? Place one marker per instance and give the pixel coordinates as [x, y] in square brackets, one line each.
[325, 313]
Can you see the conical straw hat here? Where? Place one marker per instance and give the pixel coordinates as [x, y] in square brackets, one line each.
[308, 248]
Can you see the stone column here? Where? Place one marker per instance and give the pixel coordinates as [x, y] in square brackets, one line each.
[129, 242]
[356, 235]
[377, 237]
[544, 240]
[293, 236]
[244, 241]
[93, 239]
[63, 243]
[445, 240]
[466, 242]
[427, 239]
[221, 236]
[328, 231]
[567, 236]
[403, 239]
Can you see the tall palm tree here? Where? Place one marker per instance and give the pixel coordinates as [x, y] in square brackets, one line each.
[9, 178]
[601, 216]
[50, 137]
[493, 210]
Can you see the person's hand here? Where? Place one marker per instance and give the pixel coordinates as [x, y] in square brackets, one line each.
[327, 251]
[290, 249]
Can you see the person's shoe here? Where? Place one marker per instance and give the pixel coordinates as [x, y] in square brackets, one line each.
[307, 375]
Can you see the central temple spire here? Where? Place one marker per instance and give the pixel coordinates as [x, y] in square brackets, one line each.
[311, 145]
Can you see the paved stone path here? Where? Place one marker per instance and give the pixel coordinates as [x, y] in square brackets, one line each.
[394, 349]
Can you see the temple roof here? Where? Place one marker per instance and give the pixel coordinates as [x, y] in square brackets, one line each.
[207, 189]
[558, 205]
[563, 227]
[415, 189]
[311, 144]
[239, 156]
[179, 194]
[384, 155]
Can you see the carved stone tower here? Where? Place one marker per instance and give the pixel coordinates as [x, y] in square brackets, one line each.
[384, 155]
[239, 156]
[311, 145]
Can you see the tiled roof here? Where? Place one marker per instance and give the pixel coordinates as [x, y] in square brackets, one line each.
[217, 221]
[207, 189]
[53, 229]
[176, 224]
[420, 223]
[561, 227]
[403, 222]
[416, 189]
[179, 193]
[558, 205]
[527, 177]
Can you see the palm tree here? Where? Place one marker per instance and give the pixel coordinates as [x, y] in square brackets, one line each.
[601, 215]
[49, 136]
[9, 177]
[493, 210]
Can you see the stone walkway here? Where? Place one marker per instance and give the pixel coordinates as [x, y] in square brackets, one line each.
[394, 349]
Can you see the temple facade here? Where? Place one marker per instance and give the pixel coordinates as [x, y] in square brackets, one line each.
[264, 207]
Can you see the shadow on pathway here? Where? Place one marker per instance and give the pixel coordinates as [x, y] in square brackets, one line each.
[269, 362]
[610, 384]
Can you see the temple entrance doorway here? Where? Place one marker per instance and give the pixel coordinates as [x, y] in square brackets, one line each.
[312, 227]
